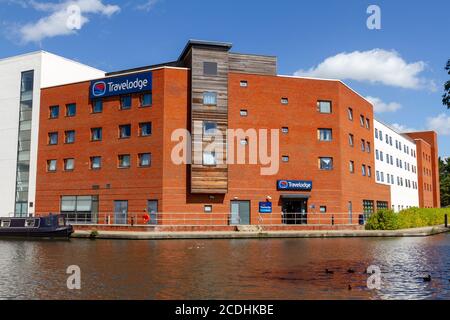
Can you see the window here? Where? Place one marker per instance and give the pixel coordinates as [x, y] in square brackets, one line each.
[368, 147]
[367, 123]
[54, 112]
[71, 110]
[125, 131]
[350, 114]
[96, 163]
[351, 140]
[382, 205]
[69, 164]
[378, 175]
[209, 128]
[387, 139]
[125, 102]
[244, 142]
[326, 163]
[284, 100]
[363, 170]
[324, 106]
[145, 159]
[124, 161]
[285, 130]
[369, 171]
[96, 134]
[210, 98]
[376, 133]
[209, 158]
[361, 120]
[363, 145]
[97, 106]
[382, 176]
[390, 141]
[53, 138]
[243, 112]
[146, 99]
[80, 209]
[207, 208]
[388, 178]
[323, 209]
[69, 136]
[352, 166]
[285, 158]
[325, 134]
[381, 156]
[243, 83]
[51, 165]
[368, 206]
[377, 154]
[145, 129]
[209, 68]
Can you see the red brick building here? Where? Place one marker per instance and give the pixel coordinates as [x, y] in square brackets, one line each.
[113, 158]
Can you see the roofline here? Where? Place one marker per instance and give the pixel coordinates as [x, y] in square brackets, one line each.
[193, 42]
[403, 134]
[138, 69]
[23, 55]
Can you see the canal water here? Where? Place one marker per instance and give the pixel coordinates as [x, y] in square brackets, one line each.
[227, 269]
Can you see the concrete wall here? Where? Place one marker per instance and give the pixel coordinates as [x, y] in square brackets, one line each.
[402, 197]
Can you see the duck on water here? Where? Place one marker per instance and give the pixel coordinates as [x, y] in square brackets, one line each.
[51, 226]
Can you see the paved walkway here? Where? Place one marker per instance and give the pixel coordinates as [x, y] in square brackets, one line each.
[155, 235]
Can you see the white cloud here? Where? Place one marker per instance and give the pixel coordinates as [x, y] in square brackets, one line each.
[440, 124]
[59, 21]
[402, 128]
[379, 106]
[374, 66]
[147, 6]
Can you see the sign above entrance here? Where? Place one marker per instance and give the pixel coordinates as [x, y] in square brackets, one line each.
[294, 185]
[265, 207]
[115, 86]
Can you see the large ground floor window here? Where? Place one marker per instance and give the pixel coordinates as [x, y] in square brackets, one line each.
[80, 209]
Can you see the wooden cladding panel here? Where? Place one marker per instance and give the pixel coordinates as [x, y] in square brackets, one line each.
[248, 63]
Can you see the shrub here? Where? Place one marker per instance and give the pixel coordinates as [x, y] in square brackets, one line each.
[408, 218]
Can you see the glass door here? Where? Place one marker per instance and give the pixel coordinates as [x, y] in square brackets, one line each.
[120, 212]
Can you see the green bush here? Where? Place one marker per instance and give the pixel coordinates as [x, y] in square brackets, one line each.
[409, 218]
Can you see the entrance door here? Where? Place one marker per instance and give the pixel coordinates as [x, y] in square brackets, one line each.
[120, 212]
[240, 212]
[295, 211]
[152, 208]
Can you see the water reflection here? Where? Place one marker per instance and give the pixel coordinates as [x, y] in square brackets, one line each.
[227, 269]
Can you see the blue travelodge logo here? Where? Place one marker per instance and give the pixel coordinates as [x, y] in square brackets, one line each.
[98, 88]
[114, 86]
[294, 185]
[265, 207]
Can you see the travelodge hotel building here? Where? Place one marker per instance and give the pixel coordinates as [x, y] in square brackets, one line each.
[108, 147]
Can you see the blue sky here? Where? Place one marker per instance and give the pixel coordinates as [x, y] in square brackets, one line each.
[413, 39]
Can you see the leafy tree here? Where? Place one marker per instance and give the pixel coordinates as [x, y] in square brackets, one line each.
[446, 95]
[444, 175]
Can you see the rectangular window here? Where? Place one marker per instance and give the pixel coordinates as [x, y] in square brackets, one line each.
[243, 83]
[243, 112]
[350, 140]
[390, 141]
[352, 166]
[209, 68]
[51, 165]
[209, 128]
[96, 163]
[207, 208]
[363, 145]
[368, 206]
[284, 100]
[54, 112]
[69, 164]
[363, 170]
[381, 135]
[125, 102]
[209, 158]
[285, 158]
[96, 134]
[53, 138]
[378, 175]
[71, 110]
[368, 147]
[382, 205]
[285, 130]
[377, 154]
[146, 99]
[325, 134]
[145, 159]
[145, 129]
[326, 163]
[69, 136]
[97, 106]
[125, 131]
[369, 171]
[323, 209]
[381, 156]
[324, 106]
[350, 114]
[367, 123]
[124, 161]
[210, 98]
[382, 176]
[376, 133]
[361, 120]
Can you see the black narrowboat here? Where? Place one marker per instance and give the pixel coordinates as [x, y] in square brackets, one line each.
[52, 226]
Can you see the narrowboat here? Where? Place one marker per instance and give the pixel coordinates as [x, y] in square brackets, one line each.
[52, 226]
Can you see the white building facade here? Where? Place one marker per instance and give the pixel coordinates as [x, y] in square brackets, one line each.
[21, 80]
[396, 165]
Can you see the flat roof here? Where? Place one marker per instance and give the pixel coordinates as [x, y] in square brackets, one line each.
[213, 44]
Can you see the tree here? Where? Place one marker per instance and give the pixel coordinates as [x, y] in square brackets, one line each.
[444, 174]
[446, 95]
